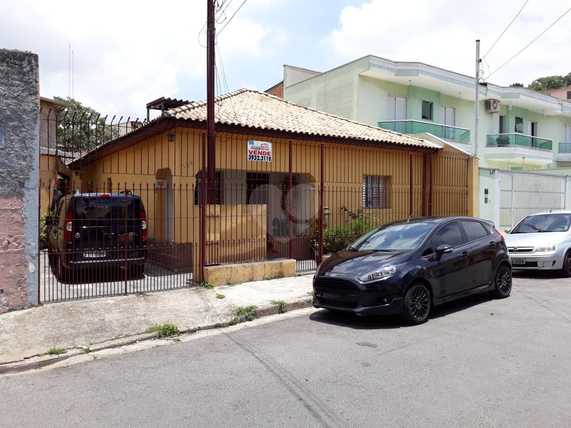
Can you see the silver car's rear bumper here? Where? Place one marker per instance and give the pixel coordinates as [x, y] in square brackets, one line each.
[534, 262]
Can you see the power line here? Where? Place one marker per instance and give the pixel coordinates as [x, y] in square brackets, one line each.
[507, 28]
[530, 43]
[223, 8]
[232, 16]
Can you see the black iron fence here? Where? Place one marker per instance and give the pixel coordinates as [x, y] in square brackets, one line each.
[145, 217]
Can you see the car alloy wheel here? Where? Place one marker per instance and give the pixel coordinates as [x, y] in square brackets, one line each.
[503, 281]
[417, 304]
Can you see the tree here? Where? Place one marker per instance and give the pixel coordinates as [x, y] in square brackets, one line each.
[80, 128]
[516, 85]
[549, 82]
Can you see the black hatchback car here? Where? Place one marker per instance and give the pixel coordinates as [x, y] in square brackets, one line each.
[408, 267]
[97, 232]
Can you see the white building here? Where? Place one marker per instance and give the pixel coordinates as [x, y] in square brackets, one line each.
[519, 129]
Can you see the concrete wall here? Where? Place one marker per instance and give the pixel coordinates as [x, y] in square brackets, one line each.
[19, 151]
[513, 195]
[333, 92]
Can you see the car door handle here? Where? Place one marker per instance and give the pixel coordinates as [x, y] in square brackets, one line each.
[464, 253]
[492, 244]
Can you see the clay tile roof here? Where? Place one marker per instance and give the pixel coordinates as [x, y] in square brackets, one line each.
[253, 109]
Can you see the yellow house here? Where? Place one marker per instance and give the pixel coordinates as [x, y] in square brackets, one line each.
[282, 170]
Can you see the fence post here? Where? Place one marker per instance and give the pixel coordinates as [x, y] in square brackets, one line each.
[287, 207]
[321, 190]
[411, 187]
[202, 219]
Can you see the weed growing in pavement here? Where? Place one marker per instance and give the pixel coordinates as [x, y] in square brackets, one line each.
[56, 351]
[205, 284]
[244, 313]
[282, 306]
[164, 330]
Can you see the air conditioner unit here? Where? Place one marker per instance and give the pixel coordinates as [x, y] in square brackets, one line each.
[492, 106]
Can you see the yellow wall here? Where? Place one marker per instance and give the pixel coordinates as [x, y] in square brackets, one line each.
[180, 151]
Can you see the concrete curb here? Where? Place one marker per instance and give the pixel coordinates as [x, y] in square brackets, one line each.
[41, 361]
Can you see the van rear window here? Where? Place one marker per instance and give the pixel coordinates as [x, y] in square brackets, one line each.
[111, 208]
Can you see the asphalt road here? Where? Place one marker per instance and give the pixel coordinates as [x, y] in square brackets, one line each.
[479, 362]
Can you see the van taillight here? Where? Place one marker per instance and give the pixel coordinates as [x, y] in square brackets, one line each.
[68, 228]
[144, 227]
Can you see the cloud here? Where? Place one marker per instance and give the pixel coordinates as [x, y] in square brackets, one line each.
[126, 53]
[442, 33]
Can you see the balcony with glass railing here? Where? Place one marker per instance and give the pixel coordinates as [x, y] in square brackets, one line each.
[565, 148]
[411, 126]
[519, 141]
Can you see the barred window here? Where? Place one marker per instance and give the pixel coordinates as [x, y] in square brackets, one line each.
[375, 191]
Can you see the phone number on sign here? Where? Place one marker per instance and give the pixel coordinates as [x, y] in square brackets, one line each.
[259, 158]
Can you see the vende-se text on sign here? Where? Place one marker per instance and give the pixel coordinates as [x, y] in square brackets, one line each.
[259, 151]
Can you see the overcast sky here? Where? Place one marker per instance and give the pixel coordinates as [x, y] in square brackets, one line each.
[127, 53]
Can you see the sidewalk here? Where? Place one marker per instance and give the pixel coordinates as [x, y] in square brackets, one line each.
[32, 332]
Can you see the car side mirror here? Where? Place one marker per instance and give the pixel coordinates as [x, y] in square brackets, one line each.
[443, 249]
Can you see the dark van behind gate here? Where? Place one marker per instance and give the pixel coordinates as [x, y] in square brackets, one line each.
[90, 232]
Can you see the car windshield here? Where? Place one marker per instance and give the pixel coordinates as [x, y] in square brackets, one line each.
[396, 237]
[544, 223]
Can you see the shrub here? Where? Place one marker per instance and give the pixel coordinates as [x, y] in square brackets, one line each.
[44, 230]
[336, 238]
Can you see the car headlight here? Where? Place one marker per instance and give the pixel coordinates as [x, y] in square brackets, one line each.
[378, 275]
[547, 249]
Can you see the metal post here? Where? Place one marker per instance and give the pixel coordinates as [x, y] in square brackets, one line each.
[202, 220]
[477, 99]
[210, 91]
[321, 189]
[288, 204]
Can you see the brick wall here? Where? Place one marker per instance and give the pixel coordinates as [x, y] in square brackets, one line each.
[19, 143]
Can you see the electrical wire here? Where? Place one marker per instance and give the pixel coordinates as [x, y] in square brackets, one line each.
[232, 16]
[530, 43]
[506, 29]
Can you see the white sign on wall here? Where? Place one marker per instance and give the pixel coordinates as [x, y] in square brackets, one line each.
[259, 151]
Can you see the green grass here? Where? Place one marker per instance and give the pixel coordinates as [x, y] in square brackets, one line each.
[56, 351]
[282, 306]
[164, 330]
[206, 284]
[220, 296]
[244, 313]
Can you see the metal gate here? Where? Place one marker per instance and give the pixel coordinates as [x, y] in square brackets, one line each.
[113, 236]
[508, 196]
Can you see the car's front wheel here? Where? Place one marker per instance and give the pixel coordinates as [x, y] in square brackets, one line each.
[567, 264]
[503, 281]
[417, 304]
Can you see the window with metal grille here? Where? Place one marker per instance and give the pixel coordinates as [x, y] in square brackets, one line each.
[375, 191]
[215, 190]
[257, 188]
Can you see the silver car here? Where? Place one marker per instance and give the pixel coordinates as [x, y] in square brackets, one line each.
[542, 241]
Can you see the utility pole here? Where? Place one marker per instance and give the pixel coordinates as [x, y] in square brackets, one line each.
[210, 70]
[477, 99]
